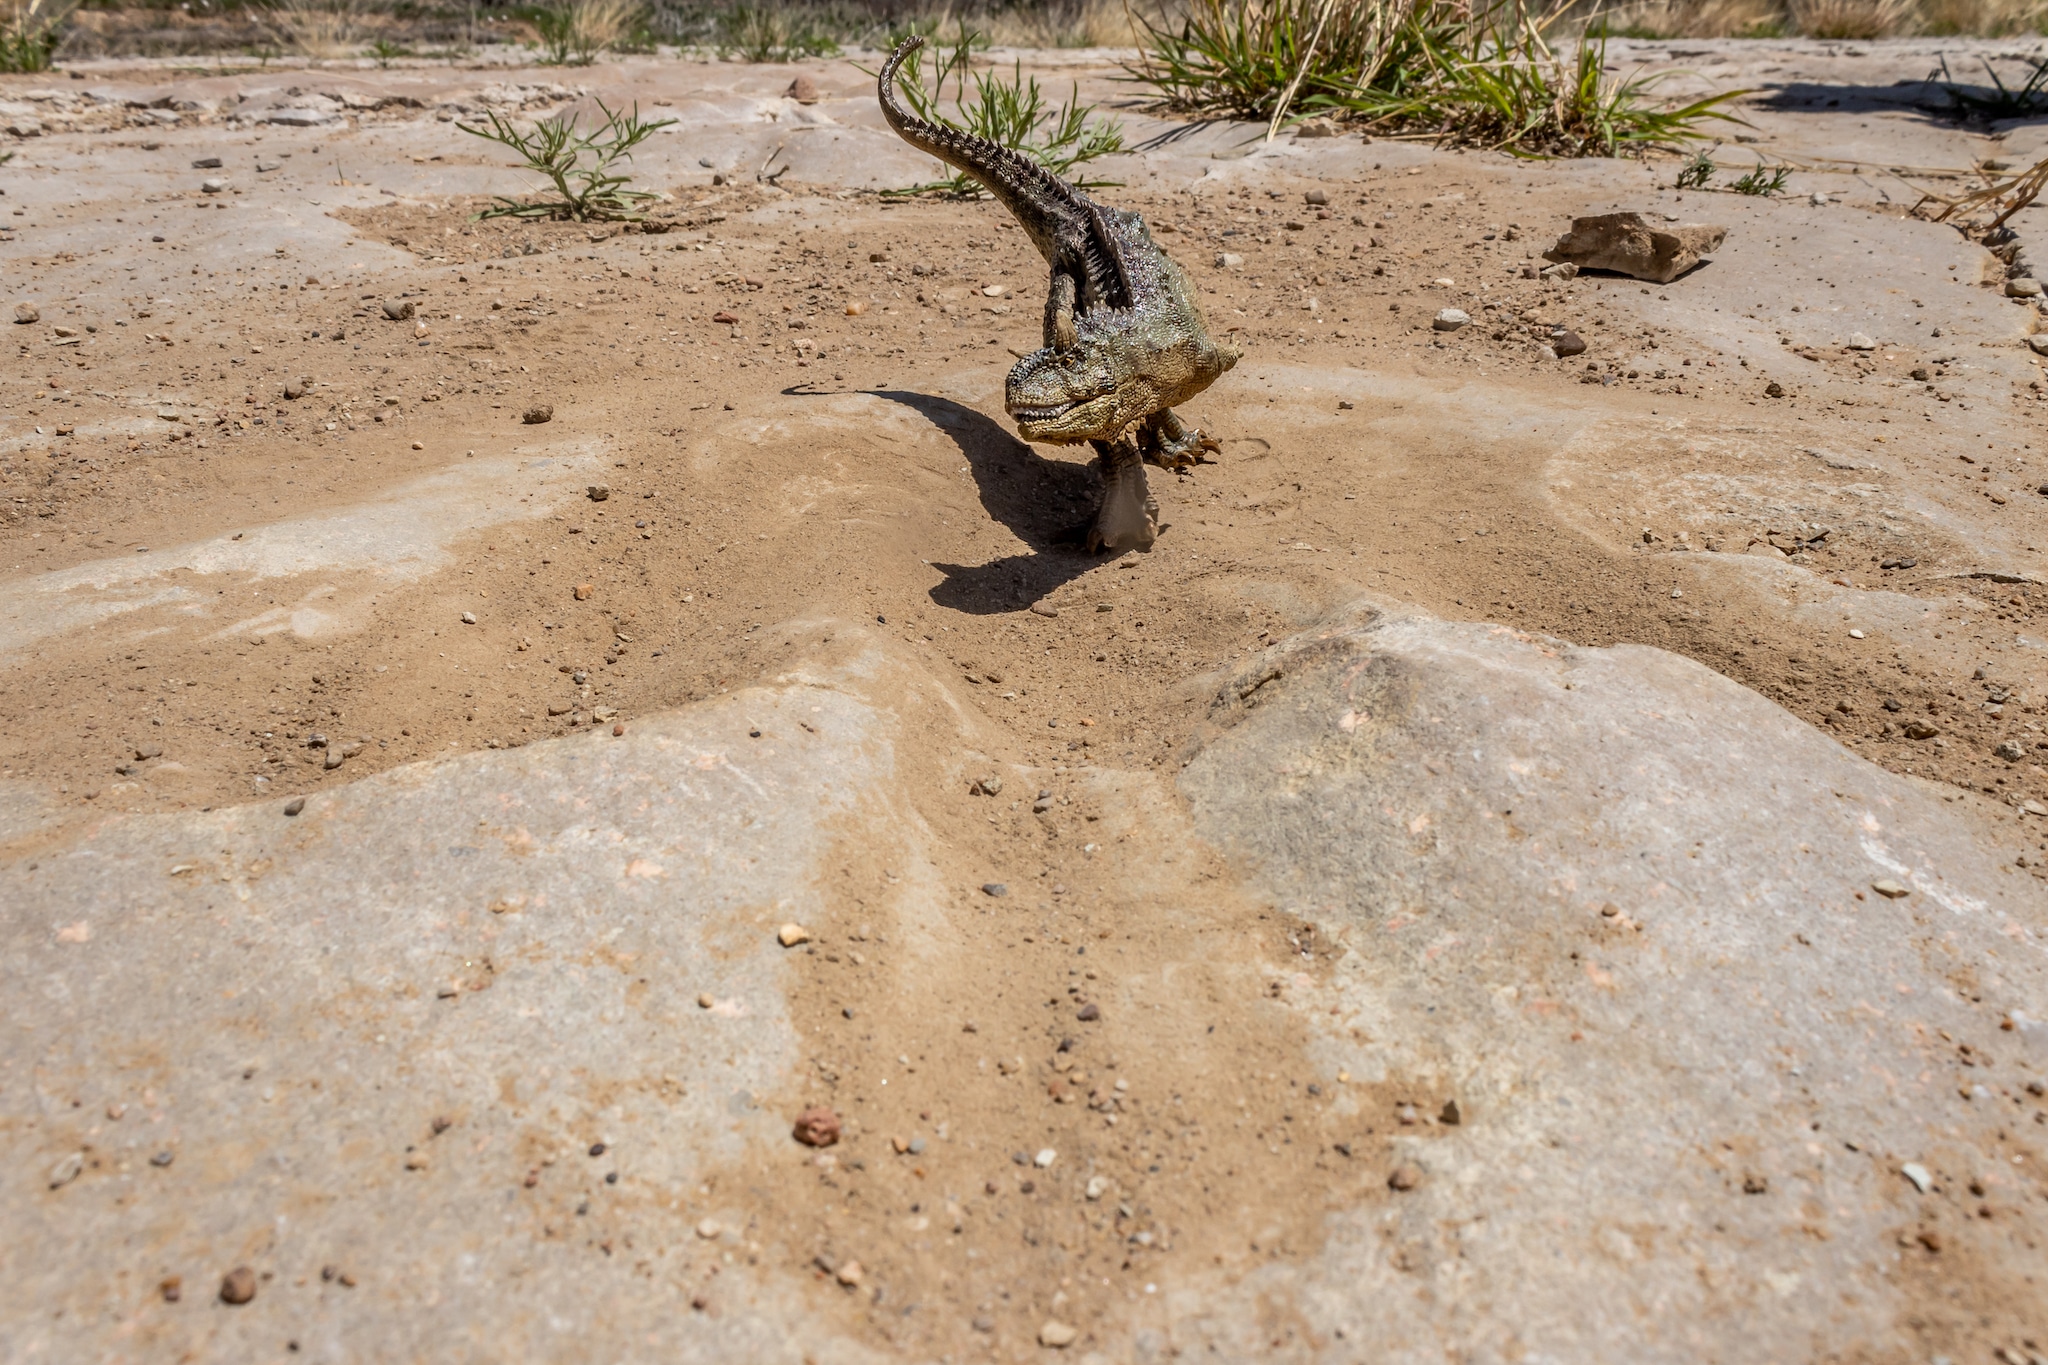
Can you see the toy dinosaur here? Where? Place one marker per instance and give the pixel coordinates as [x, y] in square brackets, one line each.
[1124, 340]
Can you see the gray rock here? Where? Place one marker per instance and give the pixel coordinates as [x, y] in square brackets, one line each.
[1460, 802]
[1606, 899]
[301, 117]
[398, 310]
[1450, 319]
[213, 184]
[26, 313]
[2038, 343]
[310, 1043]
[2023, 287]
[1859, 342]
[1228, 260]
[1624, 242]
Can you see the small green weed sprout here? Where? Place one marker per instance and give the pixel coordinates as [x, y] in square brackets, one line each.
[1763, 180]
[579, 165]
[1697, 173]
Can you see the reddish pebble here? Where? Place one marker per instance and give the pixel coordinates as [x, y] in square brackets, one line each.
[1404, 1178]
[619, 728]
[817, 1127]
[238, 1285]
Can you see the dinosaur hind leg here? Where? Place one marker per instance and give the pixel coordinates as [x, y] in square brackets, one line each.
[1172, 444]
[1129, 516]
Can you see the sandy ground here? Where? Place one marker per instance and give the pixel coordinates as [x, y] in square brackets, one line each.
[257, 538]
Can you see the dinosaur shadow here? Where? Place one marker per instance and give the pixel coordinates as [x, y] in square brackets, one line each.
[1037, 498]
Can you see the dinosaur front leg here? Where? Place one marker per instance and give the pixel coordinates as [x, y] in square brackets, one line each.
[1129, 516]
[1171, 444]
[1059, 312]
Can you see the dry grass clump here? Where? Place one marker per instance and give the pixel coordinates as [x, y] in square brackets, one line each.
[1064, 23]
[575, 33]
[323, 28]
[1982, 18]
[1853, 19]
[1696, 19]
[30, 31]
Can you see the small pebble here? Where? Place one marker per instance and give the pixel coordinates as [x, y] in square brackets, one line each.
[67, 1170]
[537, 414]
[1450, 319]
[295, 805]
[1917, 1173]
[849, 1274]
[709, 1229]
[1089, 1012]
[706, 1000]
[597, 1149]
[1404, 1177]
[997, 889]
[1046, 1156]
[817, 1126]
[1888, 888]
[163, 1158]
[790, 935]
[469, 618]
[172, 1287]
[1057, 1335]
[238, 1285]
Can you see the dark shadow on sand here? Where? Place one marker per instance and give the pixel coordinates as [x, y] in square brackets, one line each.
[1039, 499]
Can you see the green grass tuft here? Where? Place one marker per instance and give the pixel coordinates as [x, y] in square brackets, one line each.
[1431, 68]
[1763, 180]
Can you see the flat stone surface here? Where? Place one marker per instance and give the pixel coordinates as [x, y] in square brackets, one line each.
[1618, 909]
[513, 942]
[1594, 983]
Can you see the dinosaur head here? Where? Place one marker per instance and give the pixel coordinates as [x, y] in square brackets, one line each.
[1116, 372]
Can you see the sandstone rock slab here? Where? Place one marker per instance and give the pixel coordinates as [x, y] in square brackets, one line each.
[1619, 910]
[383, 1040]
[1625, 242]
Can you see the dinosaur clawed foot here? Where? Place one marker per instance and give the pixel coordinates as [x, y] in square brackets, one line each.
[1188, 451]
[1165, 441]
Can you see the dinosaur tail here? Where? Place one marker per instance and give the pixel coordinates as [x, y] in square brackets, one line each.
[1022, 186]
